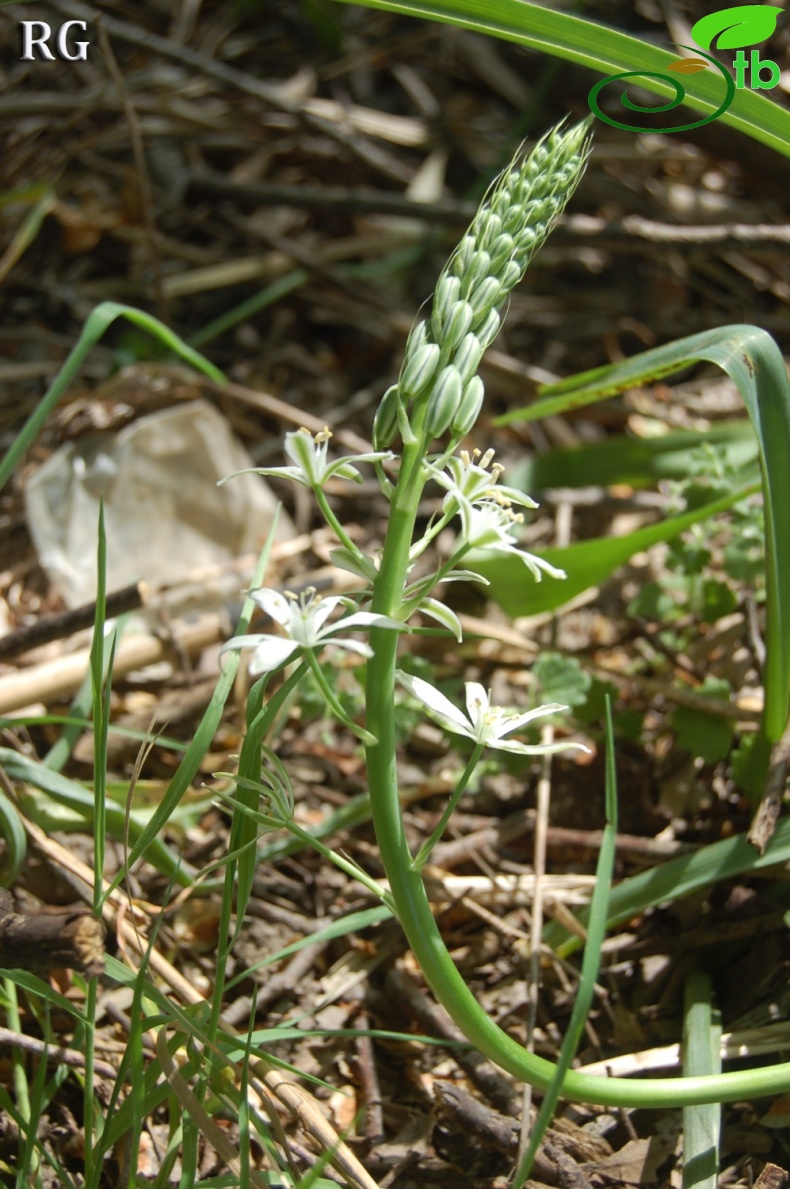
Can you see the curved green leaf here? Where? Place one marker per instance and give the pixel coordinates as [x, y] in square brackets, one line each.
[676, 878]
[638, 462]
[13, 832]
[751, 358]
[603, 51]
[587, 563]
[74, 796]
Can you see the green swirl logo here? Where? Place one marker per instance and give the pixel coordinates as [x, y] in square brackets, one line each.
[684, 66]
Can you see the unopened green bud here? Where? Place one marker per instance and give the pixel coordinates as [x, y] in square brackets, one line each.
[462, 255]
[467, 357]
[479, 267]
[510, 275]
[444, 401]
[385, 423]
[419, 368]
[457, 324]
[486, 296]
[502, 251]
[488, 329]
[526, 243]
[417, 336]
[489, 232]
[469, 408]
[501, 206]
[447, 293]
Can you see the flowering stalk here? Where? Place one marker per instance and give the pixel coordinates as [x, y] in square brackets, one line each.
[439, 393]
[436, 392]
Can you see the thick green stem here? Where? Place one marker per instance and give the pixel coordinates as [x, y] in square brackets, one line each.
[409, 895]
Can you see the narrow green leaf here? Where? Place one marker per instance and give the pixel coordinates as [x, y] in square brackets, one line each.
[587, 563]
[602, 50]
[677, 878]
[73, 795]
[13, 832]
[98, 322]
[751, 358]
[637, 462]
[701, 1057]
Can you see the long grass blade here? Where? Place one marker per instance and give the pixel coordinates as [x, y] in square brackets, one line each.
[701, 1055]
[605, 51]
[751, 358]
[98, 322]
[678, 878]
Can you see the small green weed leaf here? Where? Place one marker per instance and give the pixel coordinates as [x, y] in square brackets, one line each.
[688, 556]
[562, 679]
[744, 556]
[733, 28]
[705, 735]
[654, 602]
[717, 599]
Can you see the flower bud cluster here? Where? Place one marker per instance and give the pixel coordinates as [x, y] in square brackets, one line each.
[443, 353]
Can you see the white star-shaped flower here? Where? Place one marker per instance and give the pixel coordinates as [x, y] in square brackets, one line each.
[304, 620]
[483, 723]
[308, 454]
[468, 480]
[489, 526]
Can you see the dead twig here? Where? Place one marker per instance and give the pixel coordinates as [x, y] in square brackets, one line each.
[41, 942]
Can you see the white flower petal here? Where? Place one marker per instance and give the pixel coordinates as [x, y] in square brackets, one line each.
[436, 702]
[293, 473]
[537, 565]
[536, 749]
[359, 565]
[516, 497]
[320, 613]
[517, 721]
[304, 451]
[477, 706]
[272, 652]
[343, 470]
[242, 642]
[274, 604]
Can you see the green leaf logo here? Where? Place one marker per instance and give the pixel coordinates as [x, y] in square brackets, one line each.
[746, 24]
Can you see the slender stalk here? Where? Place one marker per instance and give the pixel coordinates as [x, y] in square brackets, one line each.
[413, 907]
[426, 848]
[424, 409]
